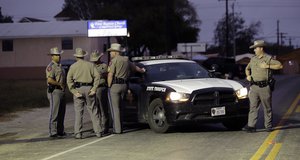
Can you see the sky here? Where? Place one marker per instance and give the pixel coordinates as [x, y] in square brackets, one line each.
[209, 12]
[41, 9]
[265, 11]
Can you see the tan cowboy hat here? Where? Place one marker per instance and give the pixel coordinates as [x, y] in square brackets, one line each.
[80, 53]
[95, 55]
[116, 47]
[54, 51]
[258, 43]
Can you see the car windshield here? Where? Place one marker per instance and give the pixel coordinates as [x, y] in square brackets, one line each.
[175, 71]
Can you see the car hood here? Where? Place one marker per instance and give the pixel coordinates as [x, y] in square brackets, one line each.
[189, 85]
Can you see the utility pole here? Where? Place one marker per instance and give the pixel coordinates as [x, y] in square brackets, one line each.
[277, 32]
[233, 30]
[277, 50]
[281, 38]
[227, 29]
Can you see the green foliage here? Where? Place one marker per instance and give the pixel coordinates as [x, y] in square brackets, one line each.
[5, 19]
[24, 94]
[154, 25]
[20, 95]
[238, 31]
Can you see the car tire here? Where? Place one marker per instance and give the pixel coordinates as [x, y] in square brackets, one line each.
[156, 117]
[235, 124]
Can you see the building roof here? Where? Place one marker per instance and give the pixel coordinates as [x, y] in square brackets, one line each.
[242, 56]
[294, 55]
[66, 14]
[43, 29]
[29, 19]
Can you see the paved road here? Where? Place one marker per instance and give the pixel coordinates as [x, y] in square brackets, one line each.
[25, 137]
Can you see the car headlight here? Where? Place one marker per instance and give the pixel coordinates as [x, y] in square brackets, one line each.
[178, 97]
[242, 93]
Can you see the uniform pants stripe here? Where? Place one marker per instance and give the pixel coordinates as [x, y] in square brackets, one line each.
[111, 107]
[51, 112]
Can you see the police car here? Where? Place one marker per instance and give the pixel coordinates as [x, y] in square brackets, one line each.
[177, 91]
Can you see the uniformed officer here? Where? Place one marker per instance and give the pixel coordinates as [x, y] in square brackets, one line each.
[257, 72]
[83, 80]
[101, 93]
[118, 73]
[56, 80]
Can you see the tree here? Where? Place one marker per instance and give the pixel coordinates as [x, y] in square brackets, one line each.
[239, 33]
[154, 25]
[5, 19]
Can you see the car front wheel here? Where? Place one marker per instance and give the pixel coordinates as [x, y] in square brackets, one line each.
[156, 117]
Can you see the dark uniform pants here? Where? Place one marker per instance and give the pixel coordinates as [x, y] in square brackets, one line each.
[57, 111]
[116, 95]
[101, 100]
[259, 95]
[89, 101]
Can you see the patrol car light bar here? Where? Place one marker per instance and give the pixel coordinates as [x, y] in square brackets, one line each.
[145, 58]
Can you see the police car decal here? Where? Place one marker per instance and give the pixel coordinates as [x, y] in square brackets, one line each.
[157, 89]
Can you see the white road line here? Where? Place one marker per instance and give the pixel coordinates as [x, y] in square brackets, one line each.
[72, 149]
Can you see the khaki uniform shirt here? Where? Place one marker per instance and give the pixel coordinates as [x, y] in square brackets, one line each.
[84, 72]
[120, 67]
[56, 72]
[102, 70]
[257, 73]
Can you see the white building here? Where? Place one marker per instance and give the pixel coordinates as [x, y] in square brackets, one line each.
[24, 46]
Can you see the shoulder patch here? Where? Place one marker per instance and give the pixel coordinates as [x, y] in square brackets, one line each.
[49, 68]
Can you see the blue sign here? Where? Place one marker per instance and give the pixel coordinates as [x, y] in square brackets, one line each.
[107, 28]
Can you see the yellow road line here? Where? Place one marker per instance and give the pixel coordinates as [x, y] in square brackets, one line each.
[274, 151]
[298, 109]
[290, 111]
[265, 145]
[270, 139]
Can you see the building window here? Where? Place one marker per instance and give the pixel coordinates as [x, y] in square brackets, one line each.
[7, 45]
[67, 43]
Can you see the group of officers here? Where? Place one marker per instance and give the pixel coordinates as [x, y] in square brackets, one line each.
[89, 82]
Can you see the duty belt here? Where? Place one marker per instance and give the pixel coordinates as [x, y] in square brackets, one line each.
[119, 81]
[261, 84]
[51, 88]
[79, 84]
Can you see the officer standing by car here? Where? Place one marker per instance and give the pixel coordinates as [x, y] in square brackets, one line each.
[83, 80]
[118, 74]
[56, 80]
[101, 93]
[257, 72]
